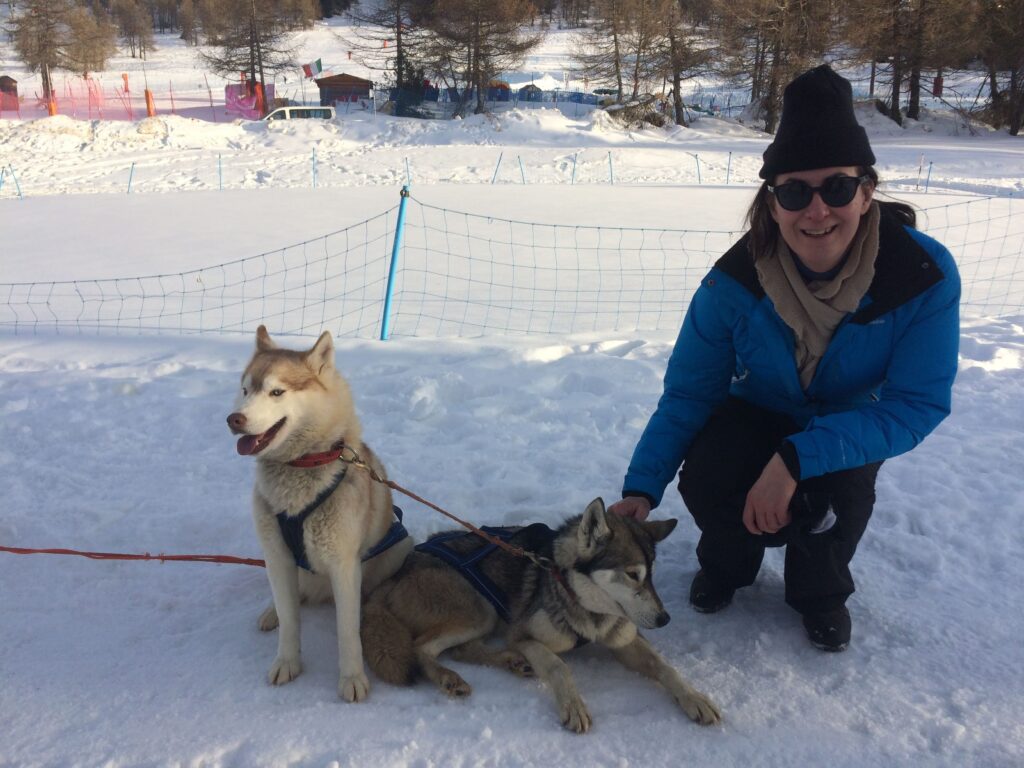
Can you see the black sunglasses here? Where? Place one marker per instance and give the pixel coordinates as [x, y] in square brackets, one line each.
[835, 191]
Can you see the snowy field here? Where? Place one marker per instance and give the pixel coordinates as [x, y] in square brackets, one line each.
[118, 443]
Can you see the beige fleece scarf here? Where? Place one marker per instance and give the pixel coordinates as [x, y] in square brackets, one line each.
[814, 310]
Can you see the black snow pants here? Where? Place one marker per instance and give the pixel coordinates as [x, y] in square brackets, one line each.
[829, 512]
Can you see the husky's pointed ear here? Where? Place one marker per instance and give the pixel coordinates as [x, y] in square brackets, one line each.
[593, 531]
[263, 340]
[322, 353]
[660, 529]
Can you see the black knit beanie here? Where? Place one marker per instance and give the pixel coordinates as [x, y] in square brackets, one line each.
[818, 128]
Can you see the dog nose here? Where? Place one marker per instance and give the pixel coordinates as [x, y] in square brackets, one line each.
[236, 421]
[663, 619]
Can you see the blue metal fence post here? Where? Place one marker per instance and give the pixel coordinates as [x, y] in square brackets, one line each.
[728, 169]
[696, 157]
[573, 180]
[17, 184]
[385, 325]
[928, 180]
[131, 175]
[3, 172]
[314, 167]
[220, 174]
[611, 169]
[522, 173]
[497, 166]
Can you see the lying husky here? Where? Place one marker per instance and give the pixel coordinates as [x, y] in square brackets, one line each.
[326, 530]
[450, 594]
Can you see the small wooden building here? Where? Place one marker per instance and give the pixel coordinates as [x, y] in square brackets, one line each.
[342, 88]
[8, 94]
[531, 92]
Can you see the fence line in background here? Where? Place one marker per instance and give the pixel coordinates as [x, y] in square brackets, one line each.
[213, 169]
[460, 274]
[110, 97]
[209, 170]
[335, 281]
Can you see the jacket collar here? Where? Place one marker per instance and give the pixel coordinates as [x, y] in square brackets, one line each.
[903, 270]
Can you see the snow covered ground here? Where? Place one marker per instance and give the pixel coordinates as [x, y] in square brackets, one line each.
[118, 443]
[61, 155]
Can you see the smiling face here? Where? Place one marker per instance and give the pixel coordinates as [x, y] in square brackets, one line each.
[820, 234]
[292, 402]
[269, 406]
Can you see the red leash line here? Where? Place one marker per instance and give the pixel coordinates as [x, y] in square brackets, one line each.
[122, 556]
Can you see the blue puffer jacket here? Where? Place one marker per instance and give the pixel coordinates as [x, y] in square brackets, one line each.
[884, 383]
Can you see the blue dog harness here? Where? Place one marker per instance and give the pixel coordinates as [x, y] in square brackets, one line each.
[468, 564]
[291, 527]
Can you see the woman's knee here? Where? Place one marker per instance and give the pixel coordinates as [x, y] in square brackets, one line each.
[728, 455]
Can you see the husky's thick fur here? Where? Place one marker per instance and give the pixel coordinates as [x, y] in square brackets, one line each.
[292, 404]
[599, 590]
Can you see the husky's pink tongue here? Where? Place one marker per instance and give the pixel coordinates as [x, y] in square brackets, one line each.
[247, 444]
[251, 444]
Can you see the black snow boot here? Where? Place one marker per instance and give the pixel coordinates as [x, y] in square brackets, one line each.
[708, 597]
[829, 631]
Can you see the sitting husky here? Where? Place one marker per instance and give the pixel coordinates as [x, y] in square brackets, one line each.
[326, 530]
[450, 594]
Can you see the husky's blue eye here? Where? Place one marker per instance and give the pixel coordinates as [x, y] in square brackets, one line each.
[276, 392]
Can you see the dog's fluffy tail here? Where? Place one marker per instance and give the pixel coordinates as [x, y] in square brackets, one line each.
[387, 644]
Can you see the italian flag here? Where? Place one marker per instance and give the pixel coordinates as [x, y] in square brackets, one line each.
[313, 69]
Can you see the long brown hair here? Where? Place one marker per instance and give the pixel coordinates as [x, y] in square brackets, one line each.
[764, 232]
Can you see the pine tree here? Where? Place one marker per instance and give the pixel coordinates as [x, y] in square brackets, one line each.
[40, 32]
[330, 8]
[135, 25]
[682, 53]
[398, 26]
[574, 13]
[600, 50]
[298, 14]
[769, 42]
[189, 22]
[475, 40]
[999, 35]
[643, 36]
[908, 36]
[90, 41]
[246, 36]
[164, 14]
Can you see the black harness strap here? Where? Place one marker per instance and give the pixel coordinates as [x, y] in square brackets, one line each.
[537, 538]
[468, 564]
[394, 535]
[291, 527]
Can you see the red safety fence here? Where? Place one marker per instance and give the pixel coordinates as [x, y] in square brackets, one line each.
[104, 98]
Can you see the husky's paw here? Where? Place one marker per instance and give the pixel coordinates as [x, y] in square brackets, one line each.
[575, 715]
[268, 619]
[517, 664]
[453, 685]
[354, 687]
[699, 708]
[284, 670]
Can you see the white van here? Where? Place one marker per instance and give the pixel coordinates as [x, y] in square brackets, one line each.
[301, 113]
